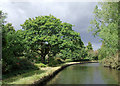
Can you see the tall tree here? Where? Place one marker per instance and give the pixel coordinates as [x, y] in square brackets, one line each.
[49, 35]
[105, 25]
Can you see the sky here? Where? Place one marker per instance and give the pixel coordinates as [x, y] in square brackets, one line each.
[74, 12]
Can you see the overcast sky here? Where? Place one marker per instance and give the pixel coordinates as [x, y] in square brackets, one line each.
[76, 13]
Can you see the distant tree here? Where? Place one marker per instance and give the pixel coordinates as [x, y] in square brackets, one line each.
[89, 46]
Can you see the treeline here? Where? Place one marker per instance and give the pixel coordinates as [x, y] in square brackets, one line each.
[43, 39]
[105, 25]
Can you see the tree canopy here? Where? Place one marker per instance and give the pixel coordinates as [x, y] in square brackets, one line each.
[50, 35]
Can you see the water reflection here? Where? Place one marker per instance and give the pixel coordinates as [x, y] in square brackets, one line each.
[91, 73]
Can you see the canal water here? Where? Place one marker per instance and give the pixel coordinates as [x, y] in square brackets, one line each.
[89, 73]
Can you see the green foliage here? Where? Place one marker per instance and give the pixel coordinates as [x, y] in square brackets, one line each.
[89, 46]
[105, 25]
[83, 53]
[12, 47]
[55, 61]
[43, 40]
[24, 64]
[103, 52]
[50, 36]
[90, 53]
[93, 55]
[19, 64]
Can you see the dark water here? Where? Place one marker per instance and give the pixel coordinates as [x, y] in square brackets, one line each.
[89, 73]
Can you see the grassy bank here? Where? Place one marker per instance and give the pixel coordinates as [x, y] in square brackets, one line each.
[30, 76]
[37, 76]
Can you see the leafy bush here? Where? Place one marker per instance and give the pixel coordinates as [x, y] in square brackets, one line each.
[19, 64]
[93, 55]
[55, 61]
[26, 64]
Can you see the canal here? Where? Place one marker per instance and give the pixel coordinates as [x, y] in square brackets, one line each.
[89, 73]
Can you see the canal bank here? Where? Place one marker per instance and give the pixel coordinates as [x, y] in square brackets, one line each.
[38, 76]
[43, 80]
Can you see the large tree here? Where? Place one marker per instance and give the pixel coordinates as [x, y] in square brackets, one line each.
[49, 36]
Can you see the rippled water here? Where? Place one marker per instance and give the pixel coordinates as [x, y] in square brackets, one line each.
[89, 73]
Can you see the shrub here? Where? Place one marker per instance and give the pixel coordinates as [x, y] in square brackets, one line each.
[26, 64]
[19, 64]
[55, 61]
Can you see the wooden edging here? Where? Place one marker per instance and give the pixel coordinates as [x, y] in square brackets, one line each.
[42, 81]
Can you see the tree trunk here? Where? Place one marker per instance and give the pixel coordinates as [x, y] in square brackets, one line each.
[43, 59]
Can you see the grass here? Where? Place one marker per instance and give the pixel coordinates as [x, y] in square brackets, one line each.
[32, 76]
[22, 77]
[29, 76]
[15, 73]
